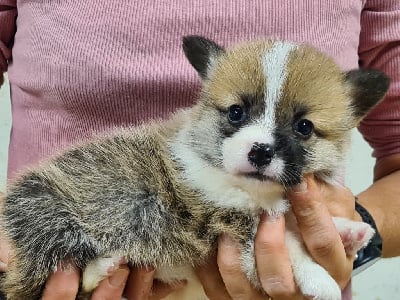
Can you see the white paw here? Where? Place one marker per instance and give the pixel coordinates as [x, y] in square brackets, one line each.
[354, 235]
[99, 269]
[315, 283]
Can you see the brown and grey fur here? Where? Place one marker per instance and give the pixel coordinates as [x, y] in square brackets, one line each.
[159, 195]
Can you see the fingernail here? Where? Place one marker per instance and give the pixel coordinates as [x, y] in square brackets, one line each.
[122, 261]
[118, 278]
[65, 268]
[301, 187]
[178, 285]
[270, 218]
[3, 266]
[116, 265]
[69, 268]
[227, 240]
[148, 269]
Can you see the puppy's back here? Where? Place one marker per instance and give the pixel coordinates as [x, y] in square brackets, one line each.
[91, 200]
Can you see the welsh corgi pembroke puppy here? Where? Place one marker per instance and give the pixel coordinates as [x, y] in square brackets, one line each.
[160, 194]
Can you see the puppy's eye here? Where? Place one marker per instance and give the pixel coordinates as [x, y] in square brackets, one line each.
[304, 127]
[236, 114]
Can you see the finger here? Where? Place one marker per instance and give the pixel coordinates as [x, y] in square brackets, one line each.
[161, 290]
[5, 250]
[63, 284]
[318, 230]
[113, 286]
[140, 283]
[3, 267]
[4, 254]
[236, 282]
[272, 259]
[211, 280]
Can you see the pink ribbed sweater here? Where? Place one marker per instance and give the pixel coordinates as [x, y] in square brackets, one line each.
[79, 67]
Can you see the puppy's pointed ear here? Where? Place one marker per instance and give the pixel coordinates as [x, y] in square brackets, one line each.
[367, 87]
[202, 53]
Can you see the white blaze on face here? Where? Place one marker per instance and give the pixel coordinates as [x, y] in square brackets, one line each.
[275, 70]
[236, 148]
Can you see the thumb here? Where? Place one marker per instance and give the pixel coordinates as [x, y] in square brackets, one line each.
[311, 213]
[5, 251]
[316, 226]
[304, 192]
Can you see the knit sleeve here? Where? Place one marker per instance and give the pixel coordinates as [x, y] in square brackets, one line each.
[380, 49]
[8, 13]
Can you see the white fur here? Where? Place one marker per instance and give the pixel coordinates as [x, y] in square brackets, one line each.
[99, 269]
[248, 259]
[355, 235]
[224, 189]
[236, 148]
[275, 168]
[275, 64]
[193, 288]
[313, 280]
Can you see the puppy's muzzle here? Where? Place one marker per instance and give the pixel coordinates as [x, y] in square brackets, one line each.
[261, 154]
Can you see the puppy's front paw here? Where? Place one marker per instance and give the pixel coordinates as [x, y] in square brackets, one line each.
[354, 235]
[315, 283]
[99, 269]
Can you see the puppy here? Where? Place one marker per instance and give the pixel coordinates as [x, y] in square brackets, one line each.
[160, 195]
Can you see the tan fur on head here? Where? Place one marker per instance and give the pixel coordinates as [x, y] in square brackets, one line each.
[238, 72]
[280, 83]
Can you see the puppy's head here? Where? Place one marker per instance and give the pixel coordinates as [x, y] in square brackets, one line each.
[272, 110]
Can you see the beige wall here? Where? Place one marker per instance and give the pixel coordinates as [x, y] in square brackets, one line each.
[5, 125]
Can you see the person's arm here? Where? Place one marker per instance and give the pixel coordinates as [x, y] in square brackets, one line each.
[380, 49]
[382, 201]
[8, 14]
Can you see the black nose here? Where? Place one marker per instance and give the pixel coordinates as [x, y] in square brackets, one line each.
[261, 154]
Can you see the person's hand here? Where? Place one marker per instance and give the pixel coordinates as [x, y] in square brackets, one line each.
[138, 285]
[4, 245]
[4, 253]
[225, 279]
[141, 285]
[312, 203]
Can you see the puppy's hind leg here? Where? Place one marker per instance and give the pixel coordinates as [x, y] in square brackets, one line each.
[35, 261]
[21, 282]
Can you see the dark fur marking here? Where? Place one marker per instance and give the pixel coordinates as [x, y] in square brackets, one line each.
[289, 148]
[61, 238]
[253, 106]
[369, 86]
[203, 230]
[198, 51]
